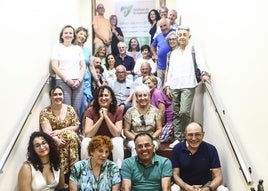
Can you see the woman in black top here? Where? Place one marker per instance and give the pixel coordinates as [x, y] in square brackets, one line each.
[117, 34]
[153, 18]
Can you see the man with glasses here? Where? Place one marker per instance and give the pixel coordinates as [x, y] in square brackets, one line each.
[180, 82]
[146, 171]
[196, 165]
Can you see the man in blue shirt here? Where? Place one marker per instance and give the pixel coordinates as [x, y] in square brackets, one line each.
[196, 164]
[146, 171]
[160, 48]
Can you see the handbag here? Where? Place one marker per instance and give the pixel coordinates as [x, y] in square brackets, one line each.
[197, 71]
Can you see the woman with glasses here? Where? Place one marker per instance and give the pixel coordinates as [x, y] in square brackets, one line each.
[60, 121]
[42, 170]
[141, 118]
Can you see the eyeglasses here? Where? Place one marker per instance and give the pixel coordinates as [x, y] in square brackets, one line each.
[146, 146]
[198, 135]
[170, 39]
[143, 123]
[39, 145]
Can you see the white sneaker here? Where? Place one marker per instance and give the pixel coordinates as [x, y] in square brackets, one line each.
[174, 143]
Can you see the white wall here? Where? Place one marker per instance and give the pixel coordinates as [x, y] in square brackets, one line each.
[233, 36]
[29, 29]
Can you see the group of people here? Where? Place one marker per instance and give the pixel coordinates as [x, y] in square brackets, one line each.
[194, 166]
[134, 97]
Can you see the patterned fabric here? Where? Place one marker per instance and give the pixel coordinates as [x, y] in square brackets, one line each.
[134, 118]
[69, 153]
[82, 174]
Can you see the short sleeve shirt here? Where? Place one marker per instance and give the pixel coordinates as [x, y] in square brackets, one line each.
[195, 168]
[114, 117]
[146, 178]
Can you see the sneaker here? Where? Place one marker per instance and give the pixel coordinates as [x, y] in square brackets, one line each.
[174, 143]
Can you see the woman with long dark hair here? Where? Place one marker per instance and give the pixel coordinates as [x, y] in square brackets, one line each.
[42, 170]
[104, 117]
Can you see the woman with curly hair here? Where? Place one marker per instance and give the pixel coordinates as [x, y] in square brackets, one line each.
[104, 117]
[153, 18]
[42, 170]
[97, 172]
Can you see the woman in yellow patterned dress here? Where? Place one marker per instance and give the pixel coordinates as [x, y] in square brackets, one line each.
[61, 122]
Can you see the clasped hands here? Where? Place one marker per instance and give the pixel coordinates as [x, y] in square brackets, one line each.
[74, 84]
[196, 188]
[103, 112]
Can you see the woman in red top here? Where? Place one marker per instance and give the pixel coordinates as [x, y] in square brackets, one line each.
[104, 117]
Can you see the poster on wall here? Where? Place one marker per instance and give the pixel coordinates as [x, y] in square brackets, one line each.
[133, 19]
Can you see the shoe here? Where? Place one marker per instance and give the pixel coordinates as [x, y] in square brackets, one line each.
[174, 143]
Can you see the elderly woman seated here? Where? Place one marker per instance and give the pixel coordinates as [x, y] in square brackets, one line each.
[143, 117]
[97, 172]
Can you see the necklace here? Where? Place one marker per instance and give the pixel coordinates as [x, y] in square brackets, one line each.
[45, 163]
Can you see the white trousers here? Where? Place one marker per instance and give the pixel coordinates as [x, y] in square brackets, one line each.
[175, 187]
[131, 145]
[117, 152]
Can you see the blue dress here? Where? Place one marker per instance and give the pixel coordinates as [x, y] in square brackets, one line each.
[87, 95]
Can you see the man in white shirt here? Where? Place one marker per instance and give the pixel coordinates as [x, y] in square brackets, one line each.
[181, 80]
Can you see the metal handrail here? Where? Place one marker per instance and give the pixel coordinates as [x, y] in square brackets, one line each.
[14, 139]
[222, 117]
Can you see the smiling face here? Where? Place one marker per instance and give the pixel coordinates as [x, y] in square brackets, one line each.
[105, 98]
[57, 97]
[183, 37]
[150, 84]
[144, 148]
[143, 99]
[41, 147]
[111, 61]
[81, 37]
[194, 136]
[67, 35]
[100, 155]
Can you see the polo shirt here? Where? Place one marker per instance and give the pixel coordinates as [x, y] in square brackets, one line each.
[163, 48]
[146, 178]
[195, 168]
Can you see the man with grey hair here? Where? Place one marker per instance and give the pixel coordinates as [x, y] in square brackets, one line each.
[172, 16]
[181, 80]
[123, 59]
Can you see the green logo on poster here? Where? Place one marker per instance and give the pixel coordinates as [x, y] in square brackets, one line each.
[126, 10]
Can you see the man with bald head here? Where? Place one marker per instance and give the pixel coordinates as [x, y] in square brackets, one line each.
[146, 71]
[122, 87]
[196, 165]
[160, 48]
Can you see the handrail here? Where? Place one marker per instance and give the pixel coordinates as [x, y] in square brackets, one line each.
[222, 116]
[24, 120]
